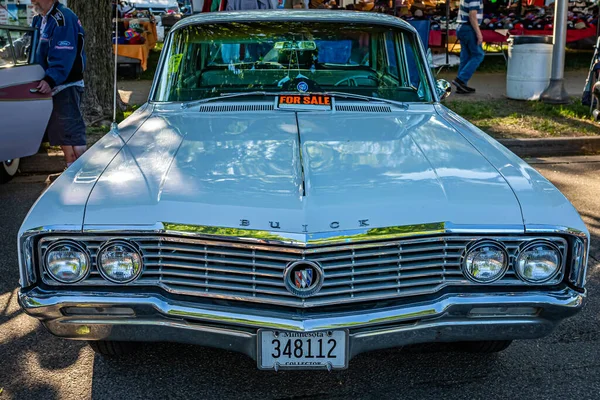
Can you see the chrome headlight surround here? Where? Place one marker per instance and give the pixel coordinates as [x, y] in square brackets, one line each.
[480, 245]
[579, 261]
[76, 246]
[528, 247]
[128, 246]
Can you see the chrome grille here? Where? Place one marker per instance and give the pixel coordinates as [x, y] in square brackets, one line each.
[352, 273]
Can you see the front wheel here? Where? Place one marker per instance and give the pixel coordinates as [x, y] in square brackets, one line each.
[112, 348]
[484, 347]
[8, 169]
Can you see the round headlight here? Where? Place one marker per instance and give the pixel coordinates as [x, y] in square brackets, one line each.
[485, 262]
[119, 262]
[538, 262]
[67, 262]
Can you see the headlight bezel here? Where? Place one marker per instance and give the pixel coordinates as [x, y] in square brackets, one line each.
[79, 246]
[527, 246]
[477, 245]
[112, 242]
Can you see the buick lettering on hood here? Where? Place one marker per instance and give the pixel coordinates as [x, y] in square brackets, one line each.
[295, 191]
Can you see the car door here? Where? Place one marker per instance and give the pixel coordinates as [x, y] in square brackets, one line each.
[23, 114]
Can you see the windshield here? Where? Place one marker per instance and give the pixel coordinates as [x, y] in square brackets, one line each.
[204, 61]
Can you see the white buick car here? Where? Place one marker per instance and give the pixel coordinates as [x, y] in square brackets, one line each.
[295, 191]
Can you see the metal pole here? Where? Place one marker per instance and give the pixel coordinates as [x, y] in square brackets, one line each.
[447, 40]
[555, 93]
[114, 126]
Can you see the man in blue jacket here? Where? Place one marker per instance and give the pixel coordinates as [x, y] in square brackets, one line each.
[60, 52]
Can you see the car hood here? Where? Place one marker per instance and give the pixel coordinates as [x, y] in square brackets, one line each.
[300, 172]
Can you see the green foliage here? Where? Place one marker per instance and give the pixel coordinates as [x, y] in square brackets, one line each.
[153, 58]
[130, 110]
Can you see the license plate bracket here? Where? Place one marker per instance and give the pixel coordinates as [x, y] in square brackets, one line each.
[285, 350]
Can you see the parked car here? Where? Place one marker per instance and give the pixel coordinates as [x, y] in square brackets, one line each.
[156, 7]
[20, 134]
[295, 191]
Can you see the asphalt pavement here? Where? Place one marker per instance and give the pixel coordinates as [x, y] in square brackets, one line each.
[36, 365]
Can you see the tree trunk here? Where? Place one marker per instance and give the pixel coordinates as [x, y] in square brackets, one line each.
[96, 18]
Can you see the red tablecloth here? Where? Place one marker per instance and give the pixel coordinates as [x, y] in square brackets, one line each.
[573, 35]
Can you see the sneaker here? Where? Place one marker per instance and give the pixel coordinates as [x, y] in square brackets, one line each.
[462, 87]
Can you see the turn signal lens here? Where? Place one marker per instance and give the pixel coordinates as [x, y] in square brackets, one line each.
[67, 262]
[486, 262]
[538, 262]
[119, 262]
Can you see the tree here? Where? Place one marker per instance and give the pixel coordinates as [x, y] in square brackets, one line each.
[96, 18]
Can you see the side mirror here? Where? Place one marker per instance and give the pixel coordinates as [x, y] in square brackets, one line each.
[443, 88]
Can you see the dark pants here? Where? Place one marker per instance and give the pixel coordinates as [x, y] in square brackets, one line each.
[471, 53]
[66, 126]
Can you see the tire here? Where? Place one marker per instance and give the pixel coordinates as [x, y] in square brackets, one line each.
[8, 169]
[112, 348]
[485, 347]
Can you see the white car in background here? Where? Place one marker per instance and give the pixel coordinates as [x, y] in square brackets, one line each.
[156, 7]
[23, 114]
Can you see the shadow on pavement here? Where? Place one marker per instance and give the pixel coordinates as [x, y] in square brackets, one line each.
[189, 371]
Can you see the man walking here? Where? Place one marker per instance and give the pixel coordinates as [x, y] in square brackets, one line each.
[60, 52]
[470, 15]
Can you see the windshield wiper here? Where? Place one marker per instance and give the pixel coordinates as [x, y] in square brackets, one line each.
[263, 93]
[366, 98]
[226, 96]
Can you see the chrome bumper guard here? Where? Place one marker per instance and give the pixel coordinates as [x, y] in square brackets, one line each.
[448, 318]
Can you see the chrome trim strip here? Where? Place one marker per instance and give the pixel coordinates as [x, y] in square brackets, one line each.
[47, 306]
[555, 229]
[306, 239]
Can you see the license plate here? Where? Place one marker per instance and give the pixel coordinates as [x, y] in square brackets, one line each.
[302, 350]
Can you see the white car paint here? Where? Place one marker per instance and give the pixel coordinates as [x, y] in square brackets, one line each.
[156, 5]
[20, 134]
[184, 167]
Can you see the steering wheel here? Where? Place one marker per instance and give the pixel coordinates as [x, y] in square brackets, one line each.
[352, 80]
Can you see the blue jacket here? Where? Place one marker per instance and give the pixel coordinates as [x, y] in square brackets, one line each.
[60, 49]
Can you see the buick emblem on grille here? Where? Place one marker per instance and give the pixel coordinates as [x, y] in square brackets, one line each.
[303, 278]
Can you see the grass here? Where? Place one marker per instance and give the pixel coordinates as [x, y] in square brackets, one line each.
[504, 118]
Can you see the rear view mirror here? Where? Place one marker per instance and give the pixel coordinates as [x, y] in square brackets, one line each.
[291, 45]
[443, 88]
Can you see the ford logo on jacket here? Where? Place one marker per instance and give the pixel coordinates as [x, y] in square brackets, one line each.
[61, 48]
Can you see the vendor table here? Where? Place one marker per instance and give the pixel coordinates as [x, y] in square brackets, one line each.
[489, 36]
[140, 51]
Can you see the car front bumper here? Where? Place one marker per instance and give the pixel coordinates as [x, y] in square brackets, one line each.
[448, 318]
